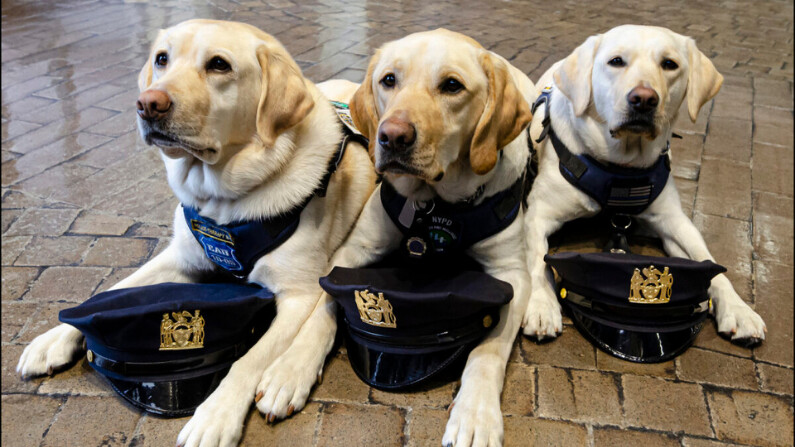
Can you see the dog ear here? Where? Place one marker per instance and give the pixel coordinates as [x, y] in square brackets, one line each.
[145, 76]
[504, 116]
[573, 76]
[363, 110]
[703, 81]
[285, 100]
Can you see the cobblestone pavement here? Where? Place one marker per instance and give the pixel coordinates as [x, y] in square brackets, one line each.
[84, 203]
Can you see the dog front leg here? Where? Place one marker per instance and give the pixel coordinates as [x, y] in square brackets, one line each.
[475, 416]
[218, 421]
[62, 344]
[286, 383]
[373, 236]
[542, 317]
[681, 238]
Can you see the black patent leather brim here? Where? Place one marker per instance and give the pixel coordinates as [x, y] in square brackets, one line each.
[169, 398]
[639, 346]
[390, 371]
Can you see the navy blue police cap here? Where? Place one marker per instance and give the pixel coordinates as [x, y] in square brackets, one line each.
[165, 347]
[404, 325]
[643, 309]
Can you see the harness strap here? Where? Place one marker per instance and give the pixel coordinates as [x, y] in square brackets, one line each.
[442, 228]
[571, 162]
[348, 136]
[617, 189]
[531, 170]
[237, 246]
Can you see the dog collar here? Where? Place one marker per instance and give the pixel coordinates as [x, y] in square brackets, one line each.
[617, 189]
[236, 246]
[437, 227]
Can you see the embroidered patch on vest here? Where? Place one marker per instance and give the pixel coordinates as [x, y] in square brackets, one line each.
[443, 232]
[220, 253]
[216, 233]
[344, 114]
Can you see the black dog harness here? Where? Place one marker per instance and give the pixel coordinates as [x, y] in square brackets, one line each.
[236, 246]
[437, 227]
[617, 189]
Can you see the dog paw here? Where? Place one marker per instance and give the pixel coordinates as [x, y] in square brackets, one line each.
[218, 422]
[475, 419]
[286, 384]
[50, 351]
[542, 318]
[741, 323]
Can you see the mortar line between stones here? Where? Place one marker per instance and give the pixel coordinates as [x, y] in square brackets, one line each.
[137, 429]
[54, 418]
[408, 415]
[709, 411]
[318, 423]
[590, 437]
[535, 391]
[718, 387]
[754, 255]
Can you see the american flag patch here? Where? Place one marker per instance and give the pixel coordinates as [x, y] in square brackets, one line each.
[632, 196]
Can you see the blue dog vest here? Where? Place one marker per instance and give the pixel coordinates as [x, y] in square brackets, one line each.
[618, 190]
[442, 228]
[236, 246]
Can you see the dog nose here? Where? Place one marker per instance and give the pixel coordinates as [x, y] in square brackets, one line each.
[396, 135]
[643, 99]
[153, 105]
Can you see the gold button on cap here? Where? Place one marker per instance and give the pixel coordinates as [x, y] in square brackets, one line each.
[90, 356]
[487, 321]
[563, 292]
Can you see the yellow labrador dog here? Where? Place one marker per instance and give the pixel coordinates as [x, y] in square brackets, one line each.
[445, 119]
[616, 98]
[243, 136]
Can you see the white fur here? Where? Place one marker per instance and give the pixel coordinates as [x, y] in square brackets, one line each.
[553, 201]
[232, 187]
[475, 418]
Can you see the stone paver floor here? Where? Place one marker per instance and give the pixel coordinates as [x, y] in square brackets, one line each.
[84, 203]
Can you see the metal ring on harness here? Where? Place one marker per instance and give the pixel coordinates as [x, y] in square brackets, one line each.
[422, 209]
[618, 236]
[621, 227]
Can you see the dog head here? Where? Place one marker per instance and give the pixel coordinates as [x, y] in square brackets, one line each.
[211, 87]
[636, 77]
[433, 98]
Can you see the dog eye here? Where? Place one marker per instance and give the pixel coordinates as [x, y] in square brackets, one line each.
[218, 64]
[616, 62]
[161, 59]
[451, 85]
[388, 81]
[668, 64]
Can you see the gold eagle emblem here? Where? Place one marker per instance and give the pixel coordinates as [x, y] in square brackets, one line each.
[375, 310]
[185, 331]
[655, 288]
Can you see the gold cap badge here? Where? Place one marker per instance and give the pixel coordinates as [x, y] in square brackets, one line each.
[185, 331]
[375, 310]
[655, 288]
